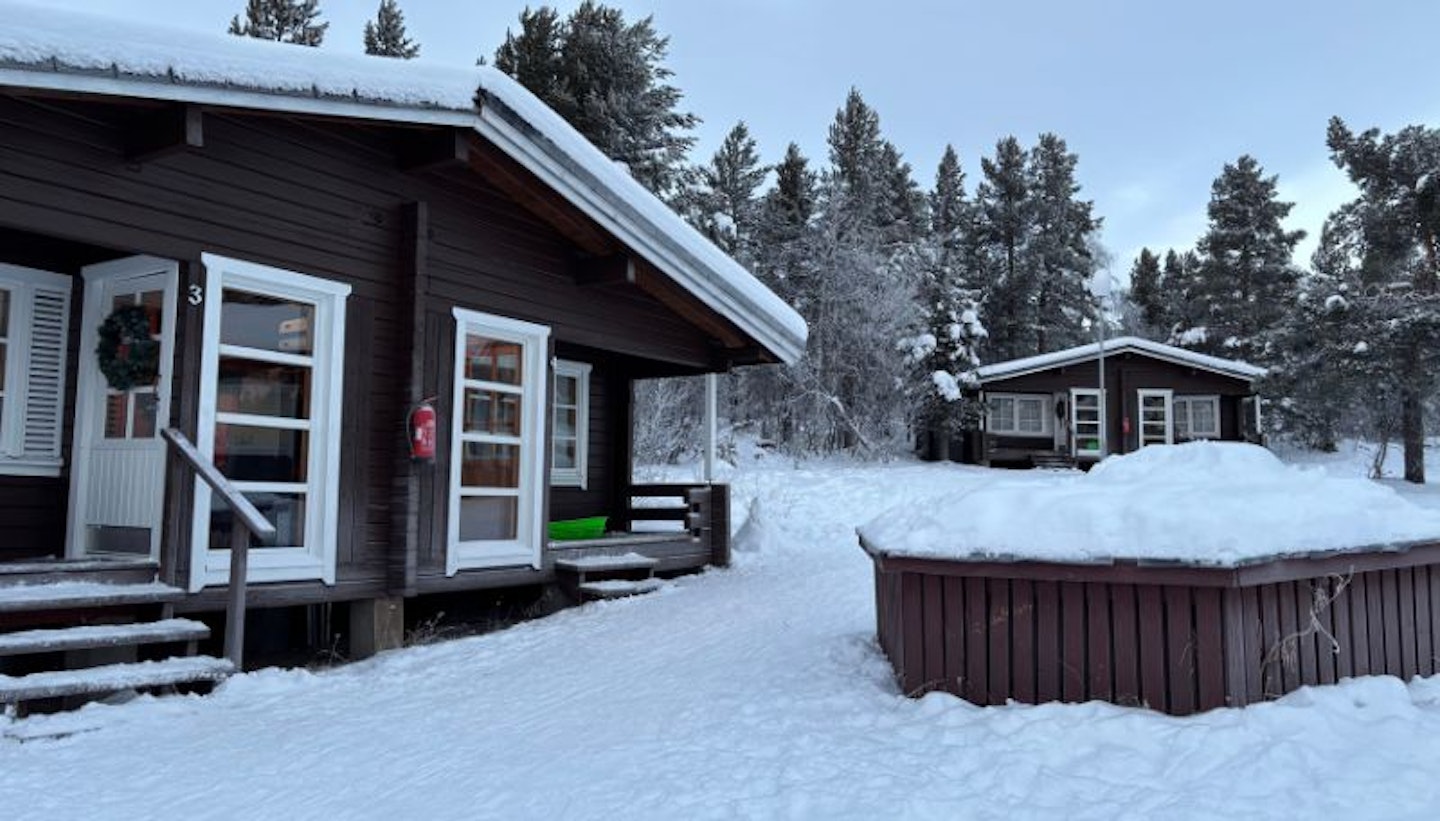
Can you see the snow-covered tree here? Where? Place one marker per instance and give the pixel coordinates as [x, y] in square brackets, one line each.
[385, 35]
[1147, 295]
[1393, 229]
[726, 206]
[1245, 277]
[606, 76]
[287, 21]
[1003, 223]
[1059, 253]
[942, 352]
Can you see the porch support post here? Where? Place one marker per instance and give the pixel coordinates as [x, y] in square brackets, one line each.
[376, 625]
[712, 392]
[235, 614]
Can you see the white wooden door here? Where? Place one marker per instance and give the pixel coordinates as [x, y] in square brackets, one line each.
[117, 484]
[1087, 432]
[1156, 417]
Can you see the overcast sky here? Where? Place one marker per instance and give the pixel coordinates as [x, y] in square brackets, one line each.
[1154, 96]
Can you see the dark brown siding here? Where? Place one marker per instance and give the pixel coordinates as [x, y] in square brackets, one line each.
[326, 200]
[1222, 639]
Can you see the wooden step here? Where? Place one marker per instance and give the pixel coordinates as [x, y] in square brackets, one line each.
[113, 678]
[618, 588]
[101, 635]
[47, 571]
[26, 598]
[606, 564]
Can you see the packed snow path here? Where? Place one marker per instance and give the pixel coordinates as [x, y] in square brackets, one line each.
[755, 692]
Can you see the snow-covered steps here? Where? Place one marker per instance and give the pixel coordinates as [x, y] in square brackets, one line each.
[78, 595]
[110, 570]
[618, 588]
[602, 564]
[112, 678]
[90, 636]
[607, 576]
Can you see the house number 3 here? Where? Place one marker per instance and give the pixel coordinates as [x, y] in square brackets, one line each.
[197, 295]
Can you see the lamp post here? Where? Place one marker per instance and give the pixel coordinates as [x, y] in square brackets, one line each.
[1100, 289]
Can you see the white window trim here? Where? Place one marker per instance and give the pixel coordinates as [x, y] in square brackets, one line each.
[1104, 421]
[22, 284]
[1047, 415]
[317, 561]
[578, 475]
[524, 549]
[1188, 401]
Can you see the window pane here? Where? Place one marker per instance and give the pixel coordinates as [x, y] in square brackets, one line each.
[267, 323]
[494, 412]
[565, 390]
[1002, 414]
[1032, 418]
[565, 454]
[490, 518]
[117, 408]
[1203, 413]
[484, 464]
[154, 303]
[284, 510]
[3, 350]
[256, 454]
[263, 389]
[144, 408]
[4, 313]
[565, 422]
[492, 361]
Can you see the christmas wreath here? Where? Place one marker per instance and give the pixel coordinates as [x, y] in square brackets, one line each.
[128, 356]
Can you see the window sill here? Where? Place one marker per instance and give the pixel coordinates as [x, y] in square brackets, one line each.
[31, 467]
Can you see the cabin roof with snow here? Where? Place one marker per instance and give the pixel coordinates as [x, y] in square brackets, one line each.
[1119, 345]
[56, 51]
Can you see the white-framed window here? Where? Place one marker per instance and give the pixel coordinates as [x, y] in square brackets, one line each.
[271, 367]
[1019, 414]
[570, 429]
[497, 457]
[1197, 417]
[34, 323]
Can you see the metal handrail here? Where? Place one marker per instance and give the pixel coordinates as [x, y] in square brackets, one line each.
[251, 521]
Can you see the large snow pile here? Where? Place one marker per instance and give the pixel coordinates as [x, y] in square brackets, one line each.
[1209, 503]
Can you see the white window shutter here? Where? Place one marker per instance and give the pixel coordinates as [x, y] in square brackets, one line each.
[45, 368]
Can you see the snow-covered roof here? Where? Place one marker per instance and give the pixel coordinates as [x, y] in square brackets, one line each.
[42, 48]
[1118, 345]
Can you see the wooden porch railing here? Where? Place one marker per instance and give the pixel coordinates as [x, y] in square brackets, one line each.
[704, 510]
[248, 521]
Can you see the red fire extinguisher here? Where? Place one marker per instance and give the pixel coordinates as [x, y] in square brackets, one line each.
[422, 432]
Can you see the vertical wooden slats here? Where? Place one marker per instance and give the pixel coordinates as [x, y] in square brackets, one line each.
[1390, 620]
[1126, 661]
[1424, 652]
[1153, 688]
[1341, 619]
[976, 641]
[1359, 626]
[912, 634]
[1232, 616]
[998, 663]
[1180, 651]
[1099, 632]
[1047, 641]
[954, 615]
[1406, 583]
[1325, 634]
[1072, 628]
[932, 611]
[1272, 682]
[1254, 645]
[1287, 650]
[1375, 619]
[1209, 649]
[1022, 631]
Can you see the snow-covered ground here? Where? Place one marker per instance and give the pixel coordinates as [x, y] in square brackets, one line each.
[753, 692]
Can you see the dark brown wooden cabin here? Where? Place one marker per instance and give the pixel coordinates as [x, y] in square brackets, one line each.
[1047, 410]
[313, 263]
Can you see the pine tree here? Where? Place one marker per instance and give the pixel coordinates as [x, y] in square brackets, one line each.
[1245, 278]
[1003, 223]
[943, 352]
[728, 209]
[287, 21]
[1145, 292]
[385, 35]
[607, 78]
[1393, 229]
[1059, 254]
[949, 210]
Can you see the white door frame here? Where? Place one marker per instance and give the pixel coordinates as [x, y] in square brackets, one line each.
[91, 389]
[1169, 396]
[316, 558]
[1073, 421]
